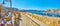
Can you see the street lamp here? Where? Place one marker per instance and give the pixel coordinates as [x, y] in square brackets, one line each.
[10, 1]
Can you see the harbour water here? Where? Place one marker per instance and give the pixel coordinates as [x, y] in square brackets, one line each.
[44, 13]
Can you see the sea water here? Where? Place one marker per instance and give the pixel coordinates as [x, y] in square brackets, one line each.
[44, 13]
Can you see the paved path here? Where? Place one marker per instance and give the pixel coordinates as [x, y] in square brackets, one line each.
[37, 21]
[26, 21]
[29, 21]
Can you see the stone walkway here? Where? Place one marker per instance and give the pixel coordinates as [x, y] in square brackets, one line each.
[29, 21]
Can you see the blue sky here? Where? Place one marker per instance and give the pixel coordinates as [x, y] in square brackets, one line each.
[35, 4]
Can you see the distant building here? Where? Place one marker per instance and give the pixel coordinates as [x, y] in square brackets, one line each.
[53, 11]
[49, 11]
